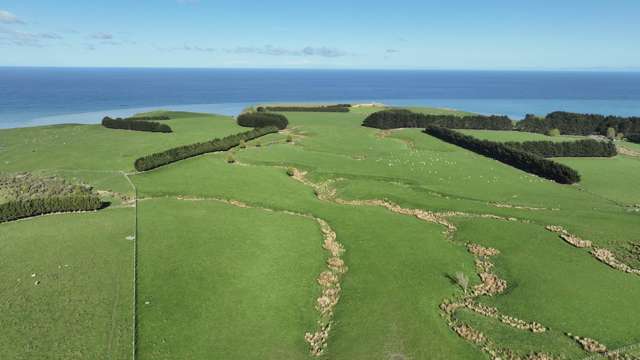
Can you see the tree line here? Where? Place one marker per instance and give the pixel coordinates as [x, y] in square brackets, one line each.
[579, 124]
[137, 125]
[258, 120]
[183, 152]
[402, 118]
[18, 209]
[318, 108]
[519, 159]
[579, 148]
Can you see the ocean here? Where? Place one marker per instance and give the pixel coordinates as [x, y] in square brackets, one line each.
[39, 96]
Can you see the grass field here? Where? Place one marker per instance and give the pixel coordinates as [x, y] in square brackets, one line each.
[228, 254]
[519, 136]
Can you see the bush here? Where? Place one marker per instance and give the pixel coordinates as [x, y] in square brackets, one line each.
[401, 118]
[634, 138]
[291, 171]
[580, 148]
[579, 124]
[611, 133]
[256, 120]
[319, 108]
[183, 152]
[517, 158]
[137, 125]
[553, 132]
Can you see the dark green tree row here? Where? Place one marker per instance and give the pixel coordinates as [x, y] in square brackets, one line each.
[137, 125]
[149, 118]
[580, 148]
[183, 152]
[18, 209]
[519, 159]
[257, 120]
[319, 108]
[634, 138]
[401, 118]
[579, 124]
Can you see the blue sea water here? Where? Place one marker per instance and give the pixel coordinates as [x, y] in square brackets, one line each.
[35, 96]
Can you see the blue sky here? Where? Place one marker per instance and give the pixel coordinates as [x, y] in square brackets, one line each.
[454, 34]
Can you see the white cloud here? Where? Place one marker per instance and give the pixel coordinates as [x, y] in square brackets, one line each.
[9, 18]
[101, 36]
[22, 38]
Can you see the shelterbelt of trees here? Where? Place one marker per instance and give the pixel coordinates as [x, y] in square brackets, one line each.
[579, 148]
[517, 158]
[318, 108]
[135, 124]
[183, 152]
[28, 195]
[579, 124]
[401, 118]
[261, 119]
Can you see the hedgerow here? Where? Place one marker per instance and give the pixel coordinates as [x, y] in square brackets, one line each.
[579, 124]
[517, 158]
[401, 118]
[260, 119]
[28, 195]
[319, 108]
[183, 152]
[18, 209]
[580, 148]
[134, 124]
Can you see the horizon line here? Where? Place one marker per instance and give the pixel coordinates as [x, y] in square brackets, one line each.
[589, 69]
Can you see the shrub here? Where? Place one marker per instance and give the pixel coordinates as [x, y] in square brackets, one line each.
[579, 124]
[183, 152]
[611, 133]
[291, 171]
[579, 148]
[462, 280]
[401, 118]
[319, 108]
[137, 125]
[554, 132]
[517, 158]
[256, 120]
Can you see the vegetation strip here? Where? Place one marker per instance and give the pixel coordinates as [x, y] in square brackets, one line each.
[156, 160]
[256, 120]
[401, 118]
[580, 124]
[28, 195]
[135, 124]
[519, 159]
[579, 148]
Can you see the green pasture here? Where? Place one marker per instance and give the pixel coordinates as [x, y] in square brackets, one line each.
[220, 281]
